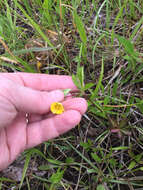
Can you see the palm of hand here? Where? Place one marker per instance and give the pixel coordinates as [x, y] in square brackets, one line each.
[27, 93]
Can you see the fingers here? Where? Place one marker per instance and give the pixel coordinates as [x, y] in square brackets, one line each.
[4, 151]
[78, 104]
[32, 101]
[34, 118]
[42, 81]
[16, 136]
[41, 131]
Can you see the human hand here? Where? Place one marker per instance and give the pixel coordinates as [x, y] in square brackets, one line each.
[24, 94]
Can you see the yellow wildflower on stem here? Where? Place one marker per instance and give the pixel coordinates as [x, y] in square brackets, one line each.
[57, 108]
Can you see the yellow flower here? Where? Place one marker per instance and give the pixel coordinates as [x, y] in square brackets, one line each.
[57, 108]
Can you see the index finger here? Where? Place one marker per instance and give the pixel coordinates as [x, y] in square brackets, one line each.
[42, 81]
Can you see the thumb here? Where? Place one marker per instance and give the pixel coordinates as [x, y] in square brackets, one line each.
[32, 101]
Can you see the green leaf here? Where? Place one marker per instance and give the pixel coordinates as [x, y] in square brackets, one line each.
[132, 165]
[33, 49]
[120, 148]
[9, 15]
[46, 186]
[27, 160]
[56, 177]
[115, 88]
[86, 145]
[76, 81]
[119, 15]
[47, 167]
[113, 162]
[38, 152]
[83, 157]
[34, 24]
[128, 46]
[141, 168]
[137, 80]
[47, 4]
[89, 171]
[96, 157]
[95, 92]
[69, 160]
[6, 179]
[100, 187]
[66, 91]
[80, 27]
[139, 104]
[138, 158]
[106, 100]
[57, 162]
[88, 86]
[80, 75]
[137, 28]
[96, 111]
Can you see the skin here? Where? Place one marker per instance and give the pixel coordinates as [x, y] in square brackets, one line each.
[25, 118]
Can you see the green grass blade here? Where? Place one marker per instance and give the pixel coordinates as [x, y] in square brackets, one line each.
[27, 160]
[119, 15]
[99, 81]
[47, 6]
[83, 157]
[94, 48]
[97, 15]
[6, 179]
[136, 28]
[80, 27]
[36, 26]
[33, 49]
[127, 44]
